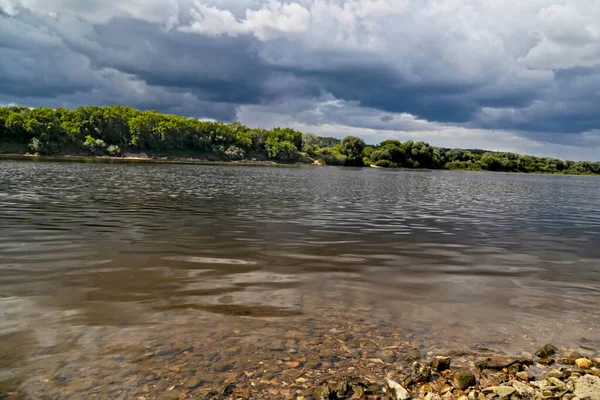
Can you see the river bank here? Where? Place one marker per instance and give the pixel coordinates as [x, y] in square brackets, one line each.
[141, 160]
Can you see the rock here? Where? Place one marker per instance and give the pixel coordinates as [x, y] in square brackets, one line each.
[290, 375]
[420, 372]
[556, 382]
[584, 363]
[546, 351]
[227, 389]
[387, 356]
[192, 383]
[560, 373]
[342, 390]
[594, 371]
[501, 362]
[397, 391]
[504, 391]
[463, 380]
[413, 355]
[587, 387]
[545, 361]
[568, 359]
[324, 393]
[441, 363]
[523, 389]
[433, 396]
[524, 376]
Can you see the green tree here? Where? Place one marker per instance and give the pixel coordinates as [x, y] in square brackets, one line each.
[352, 147]
[309, 142]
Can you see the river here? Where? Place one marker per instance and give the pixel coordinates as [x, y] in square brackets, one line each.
[117, 279]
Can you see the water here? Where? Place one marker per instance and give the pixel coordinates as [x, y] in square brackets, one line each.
[112, 274]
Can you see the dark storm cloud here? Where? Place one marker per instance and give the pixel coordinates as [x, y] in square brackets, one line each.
[208, 62]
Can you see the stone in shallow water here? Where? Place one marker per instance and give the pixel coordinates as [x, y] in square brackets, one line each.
[413, 355]
[463, 380]
[420, 372]
[441, 363]
[588, 387]
[388, 356]
[546, 351]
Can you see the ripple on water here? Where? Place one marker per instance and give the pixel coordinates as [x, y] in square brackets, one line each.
[210, 260]
[91, 255]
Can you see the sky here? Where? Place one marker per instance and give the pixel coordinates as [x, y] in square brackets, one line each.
[507, 75]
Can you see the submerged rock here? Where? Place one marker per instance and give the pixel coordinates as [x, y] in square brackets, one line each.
[420, 372]
[463, 380]
[546, 351]
[413, 355]
[441, 363]
[387, 356]
[587, 387]
[499, 362]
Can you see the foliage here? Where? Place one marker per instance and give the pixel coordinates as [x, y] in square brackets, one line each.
[235, 153]
[352, 147]
[113, 130]
[384, 163]
[113, 150]
[283, 150]
[310, 141]
[95, 146]
[332, 156]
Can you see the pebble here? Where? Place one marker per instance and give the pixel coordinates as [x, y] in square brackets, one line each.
[522, 389]
[524, 375]
[441, 363]
[387, 356]
[463, 380]
[420, 372]
[397, 391]
[584, 363]
[504, 391]
[546, 351]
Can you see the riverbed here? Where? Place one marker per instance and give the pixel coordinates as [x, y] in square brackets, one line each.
[167, 281]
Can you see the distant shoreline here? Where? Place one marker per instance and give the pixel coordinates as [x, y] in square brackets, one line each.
[248, 163]
[140, 160]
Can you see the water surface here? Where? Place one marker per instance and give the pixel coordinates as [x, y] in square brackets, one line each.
[101, 265]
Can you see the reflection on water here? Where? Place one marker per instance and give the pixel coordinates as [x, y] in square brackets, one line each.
[101, 264]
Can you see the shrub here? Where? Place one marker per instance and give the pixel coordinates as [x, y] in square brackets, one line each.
[235, 153]
[284, 151]
[96, 146]
[113, 150]
[385, 163]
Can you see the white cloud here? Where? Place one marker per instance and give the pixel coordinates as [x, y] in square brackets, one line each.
[98, 12]
[271, 21]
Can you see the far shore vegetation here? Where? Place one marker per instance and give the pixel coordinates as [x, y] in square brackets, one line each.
[124, 132]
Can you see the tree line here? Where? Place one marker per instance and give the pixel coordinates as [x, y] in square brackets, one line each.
[118, 130]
